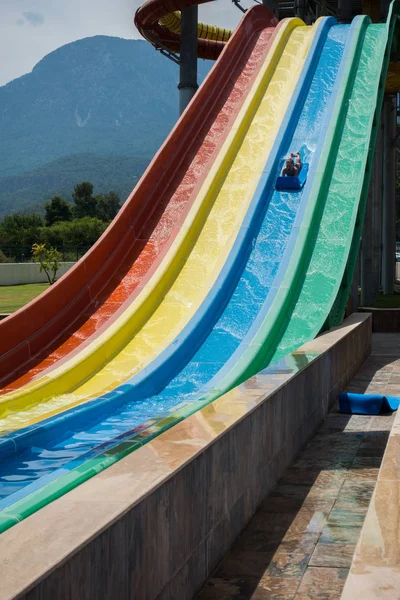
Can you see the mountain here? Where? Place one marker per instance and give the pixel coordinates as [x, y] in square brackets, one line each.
[107, 173]
[101, 96]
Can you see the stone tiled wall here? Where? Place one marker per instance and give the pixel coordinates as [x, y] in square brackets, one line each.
[166, 542]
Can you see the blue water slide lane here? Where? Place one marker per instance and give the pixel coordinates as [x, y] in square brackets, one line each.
[288, 206]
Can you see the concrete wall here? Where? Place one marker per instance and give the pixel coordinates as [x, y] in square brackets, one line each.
[384, 320]
[16, 273]
[156, 524]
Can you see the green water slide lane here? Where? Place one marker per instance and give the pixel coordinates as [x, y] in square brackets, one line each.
[336, 314]
[339, 208]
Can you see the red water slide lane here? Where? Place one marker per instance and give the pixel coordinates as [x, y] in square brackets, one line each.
[98, 288]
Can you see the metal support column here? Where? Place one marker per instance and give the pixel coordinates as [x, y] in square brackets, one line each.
[377, 193]
[384, 9]
[300, 9]
[345, 11]
[373, 9]
[354, 287]
[367, 295]
[188, 57]
[389, 202]
[273, 6]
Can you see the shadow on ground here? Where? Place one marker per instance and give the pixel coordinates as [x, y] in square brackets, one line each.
[301, 541]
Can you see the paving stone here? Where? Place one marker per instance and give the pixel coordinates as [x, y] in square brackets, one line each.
[339, 534]
[304, 543]
[355, 494]
[332, 555]
[288, 565]
[245, 563]
[301, 542]
[243, 588]
[321, 583]
[354, 516]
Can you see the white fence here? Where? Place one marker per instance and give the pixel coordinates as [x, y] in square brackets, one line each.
[16, 273]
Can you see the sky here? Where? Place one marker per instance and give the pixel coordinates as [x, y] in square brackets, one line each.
[30, 29]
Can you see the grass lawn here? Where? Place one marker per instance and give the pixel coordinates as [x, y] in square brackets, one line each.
[13, 297]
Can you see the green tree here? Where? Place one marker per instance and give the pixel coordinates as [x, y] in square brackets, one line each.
[57, 210]
[17, 234]
[85, 202]
[71, 234]
[4, 258]
[107, 206]
[18, 227]
[49, 260]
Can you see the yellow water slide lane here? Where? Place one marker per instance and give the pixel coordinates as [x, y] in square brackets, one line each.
[195, 259]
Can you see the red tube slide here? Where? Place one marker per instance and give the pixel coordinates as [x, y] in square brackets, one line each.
[147, 21]
[97, 289]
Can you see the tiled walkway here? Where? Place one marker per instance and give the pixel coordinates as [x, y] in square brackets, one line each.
[300, 543]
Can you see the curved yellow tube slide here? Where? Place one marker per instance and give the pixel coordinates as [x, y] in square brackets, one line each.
[172, 21]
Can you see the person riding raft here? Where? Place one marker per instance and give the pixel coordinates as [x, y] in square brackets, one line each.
[292, 169]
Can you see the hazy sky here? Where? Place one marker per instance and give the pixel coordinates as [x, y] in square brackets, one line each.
[30, 29]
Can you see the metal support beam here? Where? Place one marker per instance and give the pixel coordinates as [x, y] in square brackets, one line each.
[188, 62]
[389, 202]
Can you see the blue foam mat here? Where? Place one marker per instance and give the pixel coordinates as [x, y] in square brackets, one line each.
[367, 404]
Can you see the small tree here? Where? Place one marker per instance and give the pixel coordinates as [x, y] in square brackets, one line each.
[49, 260]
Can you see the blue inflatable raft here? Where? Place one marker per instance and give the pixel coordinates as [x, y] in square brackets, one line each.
[292, 184]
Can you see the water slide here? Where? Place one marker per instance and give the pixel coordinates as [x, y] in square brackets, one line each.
[246, 273]
[111, 275]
